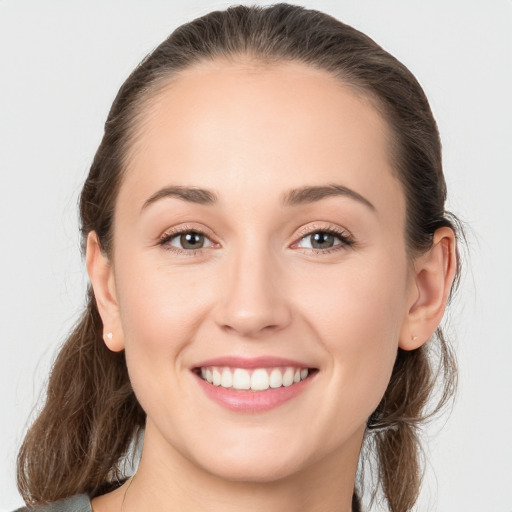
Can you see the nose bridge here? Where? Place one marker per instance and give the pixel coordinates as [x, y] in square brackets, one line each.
[253, 301]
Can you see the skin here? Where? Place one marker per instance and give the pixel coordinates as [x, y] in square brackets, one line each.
[258, 287]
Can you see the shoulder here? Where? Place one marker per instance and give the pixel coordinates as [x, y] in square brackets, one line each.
[79, 503]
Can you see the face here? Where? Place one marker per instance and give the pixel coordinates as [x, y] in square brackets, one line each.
[259, 238]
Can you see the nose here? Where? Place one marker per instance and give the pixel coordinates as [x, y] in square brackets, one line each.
[253, 302]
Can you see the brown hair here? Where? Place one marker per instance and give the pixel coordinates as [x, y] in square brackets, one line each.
[91, 415]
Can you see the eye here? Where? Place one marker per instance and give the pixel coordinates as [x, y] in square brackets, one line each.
[324, 240]
[186, 241]
[319, 240]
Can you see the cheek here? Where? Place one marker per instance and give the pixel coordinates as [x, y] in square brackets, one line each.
[358, 318]
[160, 312]
[158, 308]
[363, 303]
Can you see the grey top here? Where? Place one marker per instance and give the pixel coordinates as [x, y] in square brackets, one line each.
[79, 503]
[82, 503]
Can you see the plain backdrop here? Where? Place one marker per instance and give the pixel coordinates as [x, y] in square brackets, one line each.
[61, 64]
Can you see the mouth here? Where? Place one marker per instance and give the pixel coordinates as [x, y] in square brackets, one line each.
[253, 385]
[253, 379]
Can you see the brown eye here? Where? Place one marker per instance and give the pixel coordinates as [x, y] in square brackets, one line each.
[187, 241]
[322, 240]
[191, 240]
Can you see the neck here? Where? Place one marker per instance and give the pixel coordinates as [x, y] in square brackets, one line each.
[166, 478]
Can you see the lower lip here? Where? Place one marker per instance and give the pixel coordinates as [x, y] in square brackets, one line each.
[252, 401]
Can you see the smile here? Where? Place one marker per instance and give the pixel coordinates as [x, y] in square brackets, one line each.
[253, 385]
[255, 379]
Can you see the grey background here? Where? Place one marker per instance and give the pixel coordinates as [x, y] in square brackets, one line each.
[61, 64]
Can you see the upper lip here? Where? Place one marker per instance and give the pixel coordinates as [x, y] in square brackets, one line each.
[251, 362]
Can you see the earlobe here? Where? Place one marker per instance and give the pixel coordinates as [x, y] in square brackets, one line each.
[434, 273]
[101, 275]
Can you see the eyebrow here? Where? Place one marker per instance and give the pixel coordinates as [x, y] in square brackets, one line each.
[190, 194]
[294, 197]
[306, 195]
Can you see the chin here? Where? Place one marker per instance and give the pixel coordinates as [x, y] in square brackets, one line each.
[259, 459]
[256, 470]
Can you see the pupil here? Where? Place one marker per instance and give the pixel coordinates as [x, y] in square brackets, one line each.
[322, 240]
[192, 240]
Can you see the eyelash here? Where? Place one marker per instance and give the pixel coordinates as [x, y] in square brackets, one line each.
[169, 235]
[344, 237]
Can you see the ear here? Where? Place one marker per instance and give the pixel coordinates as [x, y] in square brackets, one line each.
[101, 275]
[432, 279]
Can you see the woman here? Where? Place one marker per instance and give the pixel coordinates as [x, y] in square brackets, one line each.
[270, 258]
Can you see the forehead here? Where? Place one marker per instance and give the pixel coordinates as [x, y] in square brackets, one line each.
[244, 129]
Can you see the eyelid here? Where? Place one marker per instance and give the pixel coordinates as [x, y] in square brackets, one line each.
[186, 228]
[332, 228]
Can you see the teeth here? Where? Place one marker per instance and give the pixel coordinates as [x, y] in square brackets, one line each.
[241, 379]
[227, 378]
[288, 377]
[259, 379]
[276, 378]
[216, 377]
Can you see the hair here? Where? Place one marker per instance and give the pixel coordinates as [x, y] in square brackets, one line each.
[91, 416]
